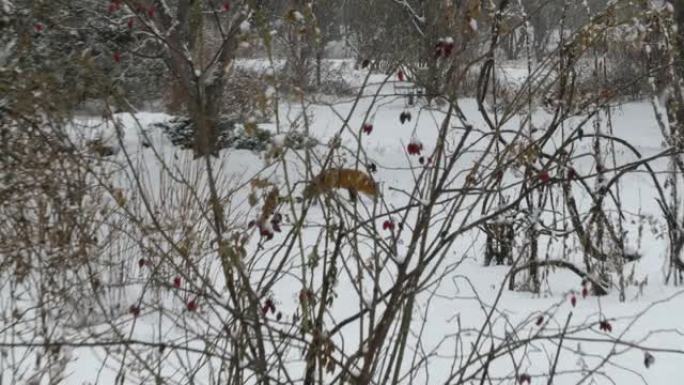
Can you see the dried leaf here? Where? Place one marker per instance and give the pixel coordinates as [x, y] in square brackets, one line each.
[259, 183]
[119, 197]
[252, 199]
[270, 204]
[250, 128]
[649, 359]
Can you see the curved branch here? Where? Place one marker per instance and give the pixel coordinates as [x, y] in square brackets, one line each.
[596, 285]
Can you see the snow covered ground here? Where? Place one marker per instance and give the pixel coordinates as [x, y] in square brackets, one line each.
[464, 293]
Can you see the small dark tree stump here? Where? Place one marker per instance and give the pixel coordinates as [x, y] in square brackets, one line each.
[500, 237]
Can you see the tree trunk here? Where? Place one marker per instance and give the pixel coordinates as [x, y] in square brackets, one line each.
[319, 59]
[675, 116]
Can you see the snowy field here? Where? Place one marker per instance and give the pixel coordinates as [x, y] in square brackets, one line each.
[460, 294]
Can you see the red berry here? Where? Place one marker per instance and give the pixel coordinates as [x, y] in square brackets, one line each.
[605, 326]
[447, 48]
[271, 305]
[177, 282]
[404, 116]
[444, 48]
[130, 23]
[585, 292]
[400, 75]
[192, 305]
[134, 310]
[266, 231]
[540, 320]
[226, 7]
[414, 147]
[367, 128]
[151, 11]
[388, 225]
[117, 56]
[524, 378]
[573, 300]
[39, 27]
[544, 176]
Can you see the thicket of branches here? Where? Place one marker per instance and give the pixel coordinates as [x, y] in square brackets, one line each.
[169, 270]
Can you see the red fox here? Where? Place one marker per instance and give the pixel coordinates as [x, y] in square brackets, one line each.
[353, 180]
